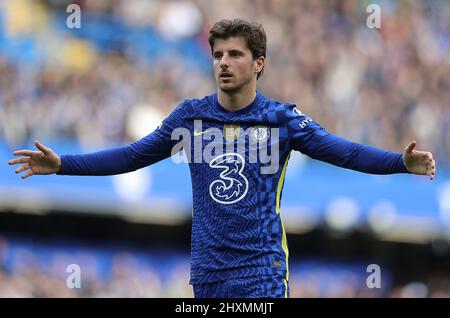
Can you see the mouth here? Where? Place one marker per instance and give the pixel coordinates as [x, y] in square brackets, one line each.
[225, 75]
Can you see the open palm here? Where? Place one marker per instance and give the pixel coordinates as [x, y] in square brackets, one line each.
[44, 161]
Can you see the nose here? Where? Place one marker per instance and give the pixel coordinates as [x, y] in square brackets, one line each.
[223, 62]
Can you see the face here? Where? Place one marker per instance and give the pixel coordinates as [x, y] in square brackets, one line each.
[234, 66]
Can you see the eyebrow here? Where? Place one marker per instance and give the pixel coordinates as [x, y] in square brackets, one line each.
[230, 51]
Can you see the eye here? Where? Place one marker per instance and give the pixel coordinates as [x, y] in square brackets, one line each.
[217, 55]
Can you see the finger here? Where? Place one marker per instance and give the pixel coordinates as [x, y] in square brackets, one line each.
[41, 147]
[23, 168]
[19, 160]
[28, 153]
[411, 147]
[431, 172]
[433, 168]
[428, 156]
[421, 154]
[28, 174]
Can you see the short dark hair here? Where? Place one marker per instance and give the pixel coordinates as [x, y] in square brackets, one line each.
[253, 33]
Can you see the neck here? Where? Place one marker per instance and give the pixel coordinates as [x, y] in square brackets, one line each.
[234, 101]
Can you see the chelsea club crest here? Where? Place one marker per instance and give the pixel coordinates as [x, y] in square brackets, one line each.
[260, 133]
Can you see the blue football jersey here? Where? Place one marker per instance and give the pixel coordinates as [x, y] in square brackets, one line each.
[237, 230]
[238, 162]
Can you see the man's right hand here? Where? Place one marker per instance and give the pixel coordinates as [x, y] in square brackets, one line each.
[44, 161]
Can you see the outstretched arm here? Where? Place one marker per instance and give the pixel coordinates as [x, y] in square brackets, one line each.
[146, 151]
[102, 163]
[351, 155]
[142, 153]
[314, 141]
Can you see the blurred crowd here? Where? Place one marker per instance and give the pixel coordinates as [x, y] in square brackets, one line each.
[40, 269]
[382, 87]
[99, 86]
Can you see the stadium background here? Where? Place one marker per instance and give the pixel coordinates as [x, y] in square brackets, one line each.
[113, 81]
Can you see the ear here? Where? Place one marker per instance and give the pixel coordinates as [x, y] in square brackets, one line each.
[259, 64]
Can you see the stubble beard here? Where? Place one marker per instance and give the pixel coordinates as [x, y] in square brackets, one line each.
[235, 88]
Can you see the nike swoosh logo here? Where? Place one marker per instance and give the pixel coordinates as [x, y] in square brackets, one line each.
[199, 133]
